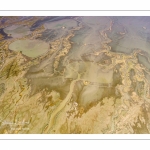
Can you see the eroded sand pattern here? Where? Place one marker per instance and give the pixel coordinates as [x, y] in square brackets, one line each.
[75, 75]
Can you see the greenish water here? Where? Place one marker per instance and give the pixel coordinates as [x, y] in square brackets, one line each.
[30, 48]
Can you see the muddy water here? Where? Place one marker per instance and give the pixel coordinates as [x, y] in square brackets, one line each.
[17, 31]
[144, 60]
[130, 33]
[89, 37]
[126, 34]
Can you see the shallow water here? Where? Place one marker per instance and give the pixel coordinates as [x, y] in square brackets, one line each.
[86, 74]
[30, 48]
[17, 31]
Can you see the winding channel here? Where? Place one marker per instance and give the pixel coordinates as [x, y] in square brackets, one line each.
[61, 106]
